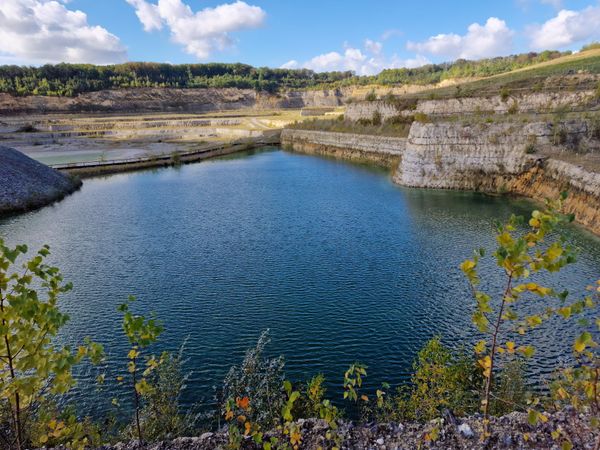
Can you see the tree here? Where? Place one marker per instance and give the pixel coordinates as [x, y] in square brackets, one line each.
[32, 365]
[521, 251]
[141, 333]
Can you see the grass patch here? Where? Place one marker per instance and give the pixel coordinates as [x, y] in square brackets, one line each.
[395, 127]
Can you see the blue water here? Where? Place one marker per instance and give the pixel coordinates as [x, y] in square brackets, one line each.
[339, 263]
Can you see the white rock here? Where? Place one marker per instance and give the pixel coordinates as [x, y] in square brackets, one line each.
[465, 430]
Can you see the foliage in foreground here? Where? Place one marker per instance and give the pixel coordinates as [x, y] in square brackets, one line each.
[258, 398]
[33, 367]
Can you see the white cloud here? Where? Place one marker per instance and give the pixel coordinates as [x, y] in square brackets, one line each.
[368, 61]
[203, 32]
[566, 28]
[291, 64]
[388, 34]
[373, 47]
[481, 41]
[43, 31]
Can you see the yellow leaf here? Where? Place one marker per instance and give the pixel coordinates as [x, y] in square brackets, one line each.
[467, 265]
[364, 398]
[562, 393]
[480, 347]
[510, 346]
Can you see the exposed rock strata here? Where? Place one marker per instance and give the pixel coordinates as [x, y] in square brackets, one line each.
[27, 184]
[526, 103]
[380, 150]
[169, 100]
[498, 158]
[494, 159]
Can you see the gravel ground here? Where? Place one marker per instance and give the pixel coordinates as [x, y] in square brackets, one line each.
[508, 432]
[27, 184]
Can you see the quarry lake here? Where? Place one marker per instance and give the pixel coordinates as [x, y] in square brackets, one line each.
[338, 262]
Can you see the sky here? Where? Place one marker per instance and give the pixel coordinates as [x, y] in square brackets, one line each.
[323, 35]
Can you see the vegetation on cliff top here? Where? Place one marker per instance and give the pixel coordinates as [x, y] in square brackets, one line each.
[72, 79]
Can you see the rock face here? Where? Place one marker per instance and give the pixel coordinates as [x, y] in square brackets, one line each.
[169, 100]
[523, 159]
[534, 102]
[27, 184]
[527, 103]
[381, 150]
[494, 158]
[366, 110]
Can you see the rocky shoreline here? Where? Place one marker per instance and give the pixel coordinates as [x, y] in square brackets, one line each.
[26, 184]
[500, 158]
[512, 431]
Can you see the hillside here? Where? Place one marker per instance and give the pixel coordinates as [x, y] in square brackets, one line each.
[550, 76]
[69, 80]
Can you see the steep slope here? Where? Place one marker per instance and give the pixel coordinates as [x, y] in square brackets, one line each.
[27, 184]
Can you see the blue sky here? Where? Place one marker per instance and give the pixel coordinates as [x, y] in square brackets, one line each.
[322, 35]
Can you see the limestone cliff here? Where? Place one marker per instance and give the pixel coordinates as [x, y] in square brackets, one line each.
[494, 158]
[381, 150]
[546, 102]
[510, 157]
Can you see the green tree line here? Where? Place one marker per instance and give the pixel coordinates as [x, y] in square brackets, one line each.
[68, 80]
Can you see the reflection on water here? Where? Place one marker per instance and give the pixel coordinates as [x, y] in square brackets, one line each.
[338, 262]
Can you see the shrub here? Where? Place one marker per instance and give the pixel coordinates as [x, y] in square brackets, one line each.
[510, 389]
[176, 158]
[33, 366]
[594, 128]
[421, 117]
[504, 94]
[371, 96]
[578, 387]
[590, 46]
[520, 252]
[560, 134]
[376, 118]
[27, 128]
[310, 405]
[140, 333]
[441, 380]
[160, 416]
[260, 380]
[513, 108]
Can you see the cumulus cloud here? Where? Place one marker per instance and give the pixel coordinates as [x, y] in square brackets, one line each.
[481, 41]
[43, 31]
[566, 28]
[202, 32]
[367, 61]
